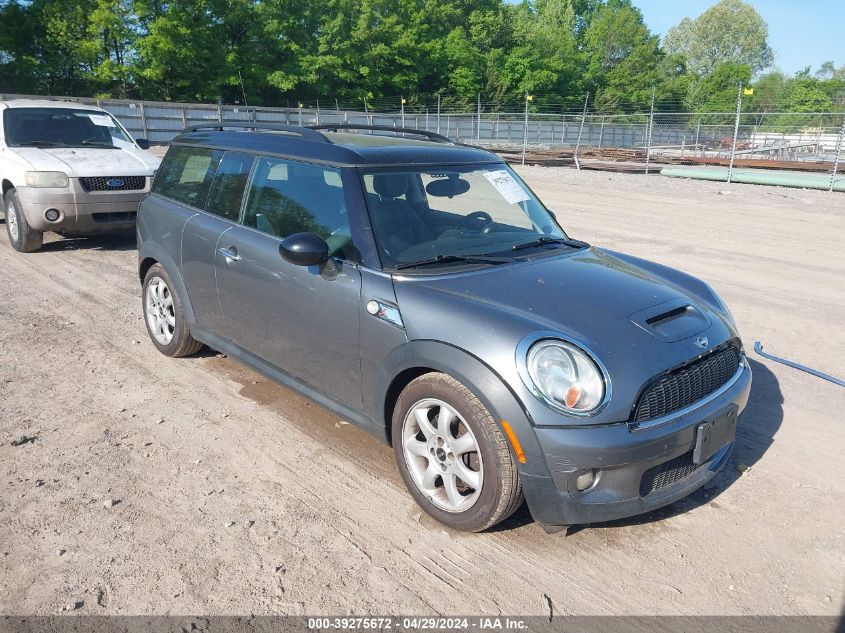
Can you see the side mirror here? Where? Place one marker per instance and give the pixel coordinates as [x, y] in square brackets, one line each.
[143, 143]
[304, 249]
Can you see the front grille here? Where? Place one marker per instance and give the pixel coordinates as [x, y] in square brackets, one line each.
[687, 385]
[117, 216]
[114, 183]
[667, 473]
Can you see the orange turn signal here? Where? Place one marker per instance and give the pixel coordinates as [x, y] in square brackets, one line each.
[517, 447]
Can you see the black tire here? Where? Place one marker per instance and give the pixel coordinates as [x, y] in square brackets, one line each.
[501, 490]
[181, 343]
[27, 239]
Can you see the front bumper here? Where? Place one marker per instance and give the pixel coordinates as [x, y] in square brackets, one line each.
[81, 211]
[636, 470]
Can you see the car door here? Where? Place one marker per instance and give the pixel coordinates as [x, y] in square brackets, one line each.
[185, 178]
[293, 317]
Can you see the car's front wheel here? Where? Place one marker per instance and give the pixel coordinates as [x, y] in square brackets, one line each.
[164, 316]
[22, 237]
[452, 456]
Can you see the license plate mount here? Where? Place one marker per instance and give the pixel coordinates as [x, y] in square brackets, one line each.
[714, 434]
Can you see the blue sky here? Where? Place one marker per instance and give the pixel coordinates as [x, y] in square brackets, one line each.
[801, 32]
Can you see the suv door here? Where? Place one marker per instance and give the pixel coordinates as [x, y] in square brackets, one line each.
[291, 316]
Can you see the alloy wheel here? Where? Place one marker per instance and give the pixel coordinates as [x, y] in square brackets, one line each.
[12, 220]
[160, 312]
[442, 455]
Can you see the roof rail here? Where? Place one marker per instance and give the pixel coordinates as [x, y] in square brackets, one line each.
[432, 136]
[305, 132]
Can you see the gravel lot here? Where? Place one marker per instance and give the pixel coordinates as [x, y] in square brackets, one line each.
[145, 485]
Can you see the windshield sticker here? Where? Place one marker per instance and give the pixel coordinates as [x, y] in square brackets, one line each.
[507, 186]
[103, 120]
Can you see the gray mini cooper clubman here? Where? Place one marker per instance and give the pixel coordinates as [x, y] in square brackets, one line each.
[419, 289]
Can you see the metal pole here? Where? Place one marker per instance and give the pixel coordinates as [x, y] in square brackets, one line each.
[438, 113]
[736, 131]
[402, 105]
[184, 118]
[426, 119]
[601, 132]
[525, 130]
[839, 142]
[697, 133]
[318, 112]
[478, 125]
[144, 121]
[650, 129]
[580, 132]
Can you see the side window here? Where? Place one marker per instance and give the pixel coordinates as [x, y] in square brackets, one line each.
[185, 174]
[227, 188]
[287, 197]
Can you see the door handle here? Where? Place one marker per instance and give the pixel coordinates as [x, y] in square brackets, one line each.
[230, 253]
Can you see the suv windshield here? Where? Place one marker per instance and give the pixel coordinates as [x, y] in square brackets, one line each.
[446, 215]
[62, 127]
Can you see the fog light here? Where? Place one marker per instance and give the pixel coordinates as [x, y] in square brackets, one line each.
[52, 214]
[585, 480]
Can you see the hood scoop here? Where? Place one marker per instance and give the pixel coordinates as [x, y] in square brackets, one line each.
[672, 320]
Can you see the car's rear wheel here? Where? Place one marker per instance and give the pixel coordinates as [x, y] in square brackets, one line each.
[22, 237]
[452, 456]
[164, 316]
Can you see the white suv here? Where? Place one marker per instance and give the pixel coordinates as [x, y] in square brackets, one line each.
[68, 168]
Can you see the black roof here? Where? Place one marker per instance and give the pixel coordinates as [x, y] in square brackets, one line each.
[344, 146]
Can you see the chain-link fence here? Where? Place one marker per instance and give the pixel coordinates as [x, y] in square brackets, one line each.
[799, 149]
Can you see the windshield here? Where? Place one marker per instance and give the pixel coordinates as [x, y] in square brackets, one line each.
[445, 215]
[62, 127]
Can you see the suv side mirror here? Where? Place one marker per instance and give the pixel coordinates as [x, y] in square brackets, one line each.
[143, 143]
[304, 249]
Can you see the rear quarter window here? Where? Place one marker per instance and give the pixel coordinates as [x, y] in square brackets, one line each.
[186, 173]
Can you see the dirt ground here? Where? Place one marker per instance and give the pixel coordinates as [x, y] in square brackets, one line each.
[147, 485]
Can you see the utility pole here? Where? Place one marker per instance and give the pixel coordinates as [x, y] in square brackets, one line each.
[580, 132]
[650, 130]
[528, 98]
[478, 125]
[736, 131]
[838, 155]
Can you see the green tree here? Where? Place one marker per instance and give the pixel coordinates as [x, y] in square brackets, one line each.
[623, 57]
[730, 31]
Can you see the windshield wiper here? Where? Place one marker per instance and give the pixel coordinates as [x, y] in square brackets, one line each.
[41, 144]
[445, 259]
[545, 239]
[99, 144]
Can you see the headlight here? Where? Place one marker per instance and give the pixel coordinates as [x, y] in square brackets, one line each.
[565, 377]
[46, 179]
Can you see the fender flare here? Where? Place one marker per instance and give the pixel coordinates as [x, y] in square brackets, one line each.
[157, 253]
[478, 377]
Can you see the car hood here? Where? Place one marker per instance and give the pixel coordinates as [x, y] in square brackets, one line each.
[84, 161]
[635, 320]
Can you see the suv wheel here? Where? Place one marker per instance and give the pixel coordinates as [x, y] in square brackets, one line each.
[22, 237]
[452, 455]
[164, 316]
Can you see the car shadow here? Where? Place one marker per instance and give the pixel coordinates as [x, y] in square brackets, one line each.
[755, 433]
[110, 242]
